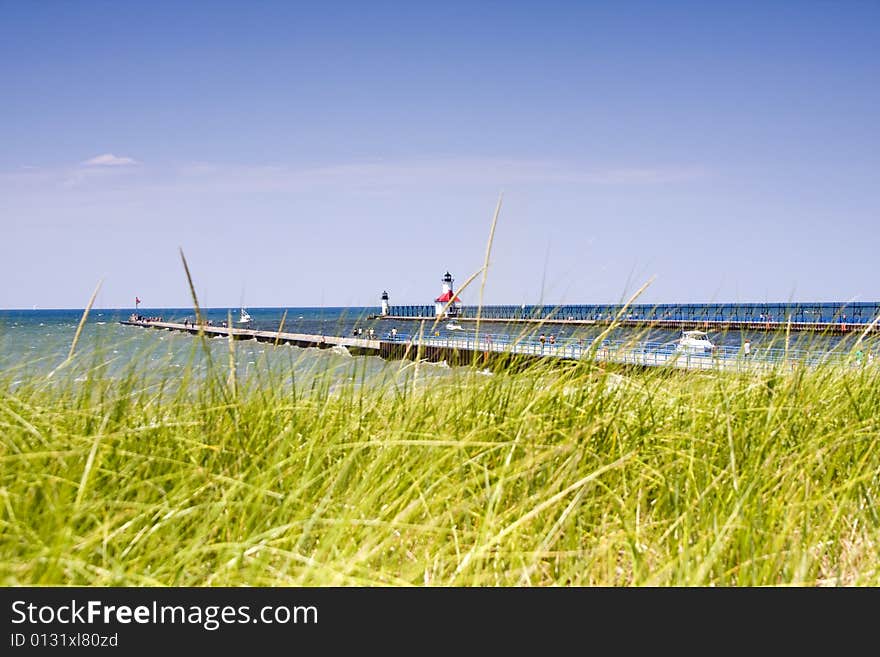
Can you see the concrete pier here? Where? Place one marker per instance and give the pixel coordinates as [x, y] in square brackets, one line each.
[710, 325]
[819, 317]
[489, 350]
[354, 345]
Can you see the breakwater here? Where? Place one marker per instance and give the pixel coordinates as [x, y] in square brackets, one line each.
[820, 317]
[510, 352]
[354, 345]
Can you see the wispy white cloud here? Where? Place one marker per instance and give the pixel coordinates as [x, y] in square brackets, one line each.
[432, 172]
[638, 176]
[32, 179]
[108, 160]
[377, 176]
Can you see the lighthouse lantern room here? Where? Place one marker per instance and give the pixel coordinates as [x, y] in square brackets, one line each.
[442, 305]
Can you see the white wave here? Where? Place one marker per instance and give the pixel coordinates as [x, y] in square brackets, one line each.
[442, 364]
[341, 350]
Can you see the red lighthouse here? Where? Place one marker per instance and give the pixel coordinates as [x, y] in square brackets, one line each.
[447, 296]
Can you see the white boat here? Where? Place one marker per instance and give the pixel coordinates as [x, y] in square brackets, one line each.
[452, 326]
[695, 342]
[244, 317]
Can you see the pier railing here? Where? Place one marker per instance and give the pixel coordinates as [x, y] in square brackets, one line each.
[851, 313]
[634, 352]
[638, 352]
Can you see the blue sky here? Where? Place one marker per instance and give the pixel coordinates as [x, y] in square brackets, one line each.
[306, 154]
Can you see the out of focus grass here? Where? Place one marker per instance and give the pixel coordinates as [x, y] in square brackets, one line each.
[571, 475]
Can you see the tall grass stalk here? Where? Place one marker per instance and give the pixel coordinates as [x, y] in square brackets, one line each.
[79, 329]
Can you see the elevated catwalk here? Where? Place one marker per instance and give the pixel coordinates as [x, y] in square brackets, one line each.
[489, 349]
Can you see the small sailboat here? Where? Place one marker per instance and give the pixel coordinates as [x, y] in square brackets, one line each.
[452, 326]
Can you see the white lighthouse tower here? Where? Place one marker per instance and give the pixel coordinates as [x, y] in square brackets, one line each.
[445, 297]
[385, 307]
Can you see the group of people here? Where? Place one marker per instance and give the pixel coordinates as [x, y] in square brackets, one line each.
[544, 339]
[359, 332]
[861, 357]
[187, 322]
[134, 317]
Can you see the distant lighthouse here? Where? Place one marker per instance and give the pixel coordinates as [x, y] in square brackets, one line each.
[445, 297]
[385, 308]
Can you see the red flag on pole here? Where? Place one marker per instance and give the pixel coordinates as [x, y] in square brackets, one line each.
[137, 300]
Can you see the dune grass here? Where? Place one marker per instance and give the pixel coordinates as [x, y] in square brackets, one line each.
[563, 475]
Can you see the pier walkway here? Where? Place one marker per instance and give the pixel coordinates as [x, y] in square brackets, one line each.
[818, 317]
[488, 348]
[355, 345]
[641, 353]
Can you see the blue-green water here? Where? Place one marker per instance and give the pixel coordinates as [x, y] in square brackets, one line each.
[37, 341]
